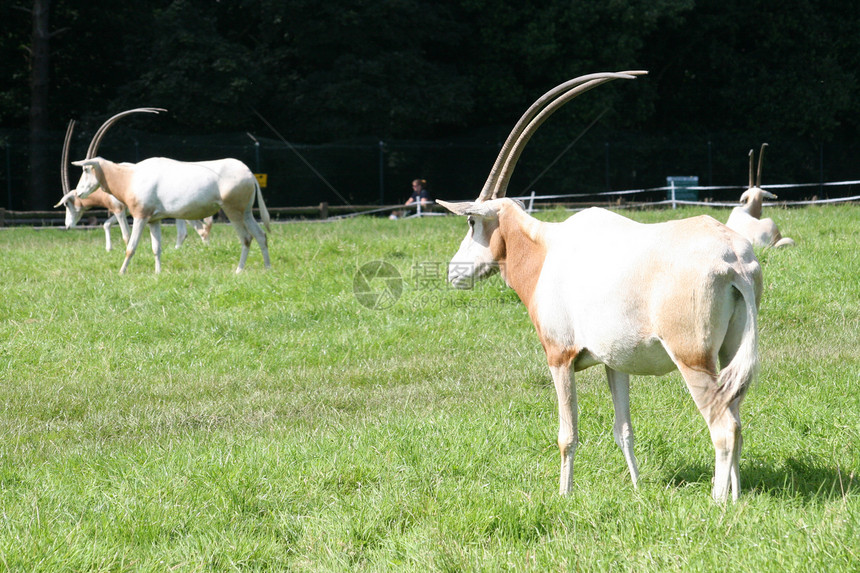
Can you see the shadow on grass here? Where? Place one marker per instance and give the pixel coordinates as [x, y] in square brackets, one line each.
[809, 480]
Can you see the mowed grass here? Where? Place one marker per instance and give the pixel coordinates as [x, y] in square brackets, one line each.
[200, 420]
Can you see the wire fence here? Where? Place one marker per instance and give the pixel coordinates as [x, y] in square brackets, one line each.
[379, 172]
[651, 198]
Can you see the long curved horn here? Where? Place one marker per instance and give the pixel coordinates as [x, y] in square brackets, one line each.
[520, 126]
[64, 166]
[760, 158]
[538, 112]
[752, 162]
[97, 138]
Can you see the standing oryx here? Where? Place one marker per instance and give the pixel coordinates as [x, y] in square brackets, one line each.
[159, 188]
[640, 299]
[747, 220]
[76, 207]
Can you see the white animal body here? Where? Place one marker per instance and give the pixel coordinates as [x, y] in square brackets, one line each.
[747, 220]
[159, 188]
[76, 207]
[640, 299]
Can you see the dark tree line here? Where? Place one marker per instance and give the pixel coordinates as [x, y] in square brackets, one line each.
[423, 69]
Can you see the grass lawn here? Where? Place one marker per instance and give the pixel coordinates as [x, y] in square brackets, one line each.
[199, 420]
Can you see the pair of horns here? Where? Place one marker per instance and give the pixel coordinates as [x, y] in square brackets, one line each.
[757, 182]
[500, 175]
[94, 145]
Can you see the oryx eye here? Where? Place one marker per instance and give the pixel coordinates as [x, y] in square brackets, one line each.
[471, 222]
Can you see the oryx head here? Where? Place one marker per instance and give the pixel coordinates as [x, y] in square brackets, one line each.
[753, 196]
[72, 197]
[478, 256]
[481, 250]
[91, 179]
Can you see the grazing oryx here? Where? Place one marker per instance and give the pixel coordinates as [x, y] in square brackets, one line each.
[638, 298]
[747, 220]
[76, 207]
[159, 188]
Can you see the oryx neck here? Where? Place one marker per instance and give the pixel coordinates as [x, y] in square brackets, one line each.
[113, 179]
[520, 249]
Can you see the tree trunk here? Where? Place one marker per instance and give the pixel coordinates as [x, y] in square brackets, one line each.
[40, 75]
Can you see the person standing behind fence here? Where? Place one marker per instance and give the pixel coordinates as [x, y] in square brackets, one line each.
[419, 195]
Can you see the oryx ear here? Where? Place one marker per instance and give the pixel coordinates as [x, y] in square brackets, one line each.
[85, 162]
[485, 208]
[745, 196]
[459, 208]
[477, 208]
[768, 194]
[65, 198]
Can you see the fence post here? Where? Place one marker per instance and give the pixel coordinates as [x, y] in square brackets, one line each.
[323, 210]
[9, 175]
[381, 172]
[531, 203]
[821, 169]
[606, 148]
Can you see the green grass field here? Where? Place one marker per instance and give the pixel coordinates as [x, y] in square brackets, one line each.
[200, 420]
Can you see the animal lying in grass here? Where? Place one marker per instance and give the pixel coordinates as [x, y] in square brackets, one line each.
[640, 299]
[747, 220]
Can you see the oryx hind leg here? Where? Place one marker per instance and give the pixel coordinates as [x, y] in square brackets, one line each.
[260, 236]
[724, 425]
[238, 220]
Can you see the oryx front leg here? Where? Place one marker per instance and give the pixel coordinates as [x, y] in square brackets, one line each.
[619, 387]
[136, 232]
[106, 226]
[155, 235]
[203, 228]
[123, 225]
[568, 435]
[181, 232]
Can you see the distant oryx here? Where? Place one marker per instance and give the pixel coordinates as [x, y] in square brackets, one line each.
[76, 207]
[747, 220]
[159, 188]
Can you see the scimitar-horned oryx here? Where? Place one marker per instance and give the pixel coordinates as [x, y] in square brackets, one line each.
[638, 298]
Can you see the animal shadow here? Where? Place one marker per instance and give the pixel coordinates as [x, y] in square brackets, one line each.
[809, 479]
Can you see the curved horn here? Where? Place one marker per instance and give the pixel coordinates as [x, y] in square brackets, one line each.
[538, 112]
[752, 162]
[760, 158]
[97, 138]
[64, 166]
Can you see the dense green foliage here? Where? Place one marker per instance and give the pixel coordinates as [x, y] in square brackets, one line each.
[725, 76]
[201, 420]
[419, 68]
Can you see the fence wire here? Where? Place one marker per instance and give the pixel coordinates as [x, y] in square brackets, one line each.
[370, 171]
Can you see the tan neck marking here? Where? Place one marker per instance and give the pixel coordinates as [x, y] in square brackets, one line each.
[518, 245]
[115, 179]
